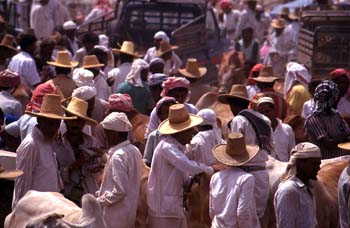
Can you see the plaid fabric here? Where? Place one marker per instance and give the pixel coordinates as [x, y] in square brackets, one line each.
[326, 95]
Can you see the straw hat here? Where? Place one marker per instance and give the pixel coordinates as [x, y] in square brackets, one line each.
[266, 75]
[179, 120]
[237, 91]
[51, 108]
[296, 14]
[91, 61]
[278, 23]
[79, 107]
[9, 42]
[165, 47]
[285, 11]
[235, 152]
[127, 48]
[9, 174]
[192, 69]
[63, 60]
[344, 146]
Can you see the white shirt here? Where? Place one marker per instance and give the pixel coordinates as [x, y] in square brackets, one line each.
[247, 19]
[168, 173]
[24, 64]
[22, 127]
[172, 65]
[232, 199]
[119, 75]
[252, 90]
[37, 159]
[284, 141]
[230, 22]
[119, 192]
[42, 21]
[101, 87]
[9, 104]
[344, 105]
[79, 56]
[308, 108]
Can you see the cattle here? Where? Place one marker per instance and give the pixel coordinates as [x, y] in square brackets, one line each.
[139, 125]
[51, 209]
[142, 208]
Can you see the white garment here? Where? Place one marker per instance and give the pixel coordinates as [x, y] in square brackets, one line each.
[153, 140]
[232, 199]
[101, 86]
[263, 27]
[230, 21]
[79, 56]
[22, 127]
[119, 192]
[344, 106]
[24, 64]
[172, 65]
[293, 30]
[167, 176]
[252, 90]
[284, 141]
[37, 159]
[247, 19]
[119, 75]
[9, 104]
[61, 15]
[73, 44]
[308, 108]
[42, 21]
[150, 54]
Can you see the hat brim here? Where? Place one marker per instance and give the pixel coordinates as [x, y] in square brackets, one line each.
[93, 66]
[118, 51]
[50, 116]
[344, 146]
[265, 79]
[167, 128]
[89, 121]
[294, 17]
[71, 65]
[201, 72]
[225, 98]
[11, 174]
[160, 53]
[274, 25]
[219, 152]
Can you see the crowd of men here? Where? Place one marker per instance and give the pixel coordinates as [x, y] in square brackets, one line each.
[74, 133]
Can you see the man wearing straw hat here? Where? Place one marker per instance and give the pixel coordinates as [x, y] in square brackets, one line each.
[293, 201]
[232, 201]
[172, 61]
[169, 167]
[344, 191]
[119, 191]
[36, 156]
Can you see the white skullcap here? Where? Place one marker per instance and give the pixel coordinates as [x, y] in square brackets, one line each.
[161, 35]
[265, 100]
[104, 40]
[116, 121]
[83, 77]
[209, 117]
[69, 25]
[85, 92]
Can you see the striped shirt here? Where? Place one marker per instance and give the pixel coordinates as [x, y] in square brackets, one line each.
[330, 126]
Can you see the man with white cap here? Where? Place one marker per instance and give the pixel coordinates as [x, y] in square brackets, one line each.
[208, 136]
[169, 167]
[293, 201]
[71, 41]
[120, 186]
[283, 135]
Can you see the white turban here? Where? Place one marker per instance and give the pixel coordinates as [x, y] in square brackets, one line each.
[85, 92]
[116, 121]
[209, 118]
[161, 35]
[134, 75]
[295, 72]
[83, 77]
[69, 25]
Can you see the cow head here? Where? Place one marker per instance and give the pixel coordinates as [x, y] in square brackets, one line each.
[52, 220]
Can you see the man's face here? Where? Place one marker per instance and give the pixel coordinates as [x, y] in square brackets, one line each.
[48, 132]
[75, 127]
[267, 109]
[163, 112]
[279, 31]
[186, 136]
[309, 167]
[343, 85]
[144, 75]
[180, 94]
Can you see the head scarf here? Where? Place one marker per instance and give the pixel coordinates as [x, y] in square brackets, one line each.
[35, 102]
[120, 102]
[300, 151]
[295, 72]
[264, 100]
[134, 76]
[163, 101]
[116, 121]
[9, 79]
[326, 94]
[83, 77]
[174, 82]
[256, 68]
[161, 36]
[69, 25]
[226, 4]
[157, 79]
[85, 92]
[209, 118]
[338, 73]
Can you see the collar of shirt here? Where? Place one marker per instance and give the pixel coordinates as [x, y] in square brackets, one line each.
[26, 54]
[116, 147]
[172, 140]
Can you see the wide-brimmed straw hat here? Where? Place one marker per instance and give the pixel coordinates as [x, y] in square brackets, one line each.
[9, 174]
[179, 120]
[237, 91]
[278, 23]
[51, 108]
[296, 14]
[192, 70]
[344, 146]
[79, 107]
[9, 42]
[266, 75]
[235, 152]
[165, 47]
[63, 60]
[127, 48]
[91, 61]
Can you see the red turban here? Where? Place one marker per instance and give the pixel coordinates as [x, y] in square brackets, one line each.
[338, 73]
[40, 91]
[225, 4]
[172, 83]
[9, 79]
[120, 102]
[256, 69]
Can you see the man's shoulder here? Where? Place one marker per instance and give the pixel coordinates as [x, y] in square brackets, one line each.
[287, 187]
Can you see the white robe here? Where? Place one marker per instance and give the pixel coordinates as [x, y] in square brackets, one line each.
[284, 141]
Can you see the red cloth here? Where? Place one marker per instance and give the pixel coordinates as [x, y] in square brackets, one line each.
[256, 68]
[172, 83]
[119, 102]
[338, 73]
[225, 4]
[9, 79]
[40, 91]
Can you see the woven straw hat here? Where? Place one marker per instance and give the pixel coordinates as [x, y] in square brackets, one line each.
[179, 120]
[127, 48]
[192, 69]
[165, 47]
[63, 60]
[79, 107]
[51, 108]
[235, 152]
[9, 174]
[237, 91]
[9, 43]
[278, 23]
[266, 75]
[344, 146]
[91, 61]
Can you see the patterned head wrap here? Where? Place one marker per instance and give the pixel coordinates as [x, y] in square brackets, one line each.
[35, 102]
[174, 82]
[163, 101]
[326, 94]
[134, 76]
[9, 79]
[120, 103]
